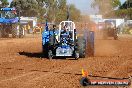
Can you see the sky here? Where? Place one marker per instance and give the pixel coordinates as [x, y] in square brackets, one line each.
[83, 5]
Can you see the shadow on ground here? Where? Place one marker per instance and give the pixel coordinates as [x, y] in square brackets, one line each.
[41, 55]
[28, 54]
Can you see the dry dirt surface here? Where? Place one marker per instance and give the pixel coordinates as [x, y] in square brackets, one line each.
[22, 65]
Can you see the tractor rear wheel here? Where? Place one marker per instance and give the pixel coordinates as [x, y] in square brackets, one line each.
[90, 44]
[81, 44]
[115, 37]
[15, 31]
[22, 33]
[90, 49]
[51, 40]
[45, 50]
[4, 31]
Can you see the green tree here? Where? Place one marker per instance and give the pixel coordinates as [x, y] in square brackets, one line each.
[4, 3]
[56, 10]
[26, 7]
[125, 10]
[75, 14]
[52, 10]
[106, 6]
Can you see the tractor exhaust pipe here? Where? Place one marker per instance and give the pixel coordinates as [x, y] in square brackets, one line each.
[68, 13]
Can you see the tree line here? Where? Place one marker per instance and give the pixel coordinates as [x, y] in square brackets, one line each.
[52, 10]
[113, 8]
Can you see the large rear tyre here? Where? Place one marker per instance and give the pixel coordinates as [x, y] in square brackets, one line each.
[90, 50]
[81, 44]
[22, 33]
[4, 33]
[51, 40]
[90, 47]
[15, 31]
[115, 37]
[45, 50]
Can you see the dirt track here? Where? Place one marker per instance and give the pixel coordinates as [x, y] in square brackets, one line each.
[22, 64]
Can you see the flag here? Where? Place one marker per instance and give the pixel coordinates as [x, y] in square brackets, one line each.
[84, 73]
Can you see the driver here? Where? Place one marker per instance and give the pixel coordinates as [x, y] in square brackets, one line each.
[65, 30]
[66, 34]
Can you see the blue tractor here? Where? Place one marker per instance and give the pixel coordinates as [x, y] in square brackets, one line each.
[65, 42]
[10, 23]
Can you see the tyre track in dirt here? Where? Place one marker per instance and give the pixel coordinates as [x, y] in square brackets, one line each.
[15, 62]
[27, 78]
[124, 68]
[35, 72]
[11, 57]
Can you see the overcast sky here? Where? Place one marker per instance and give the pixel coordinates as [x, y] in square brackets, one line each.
[83, 5]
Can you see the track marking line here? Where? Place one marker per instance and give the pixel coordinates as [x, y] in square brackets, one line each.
[16, 77]
[123, 64]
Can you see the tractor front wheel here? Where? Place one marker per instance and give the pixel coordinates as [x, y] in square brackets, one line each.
[50, 54]
[76, 55]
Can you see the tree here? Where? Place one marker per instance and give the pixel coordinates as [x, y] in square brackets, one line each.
[4, 3]
[39, 8]
[125, 10]
[26, 7]
[75, 14]
[56, 10]
[126, 4]
[106, 6]
[52, 10]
